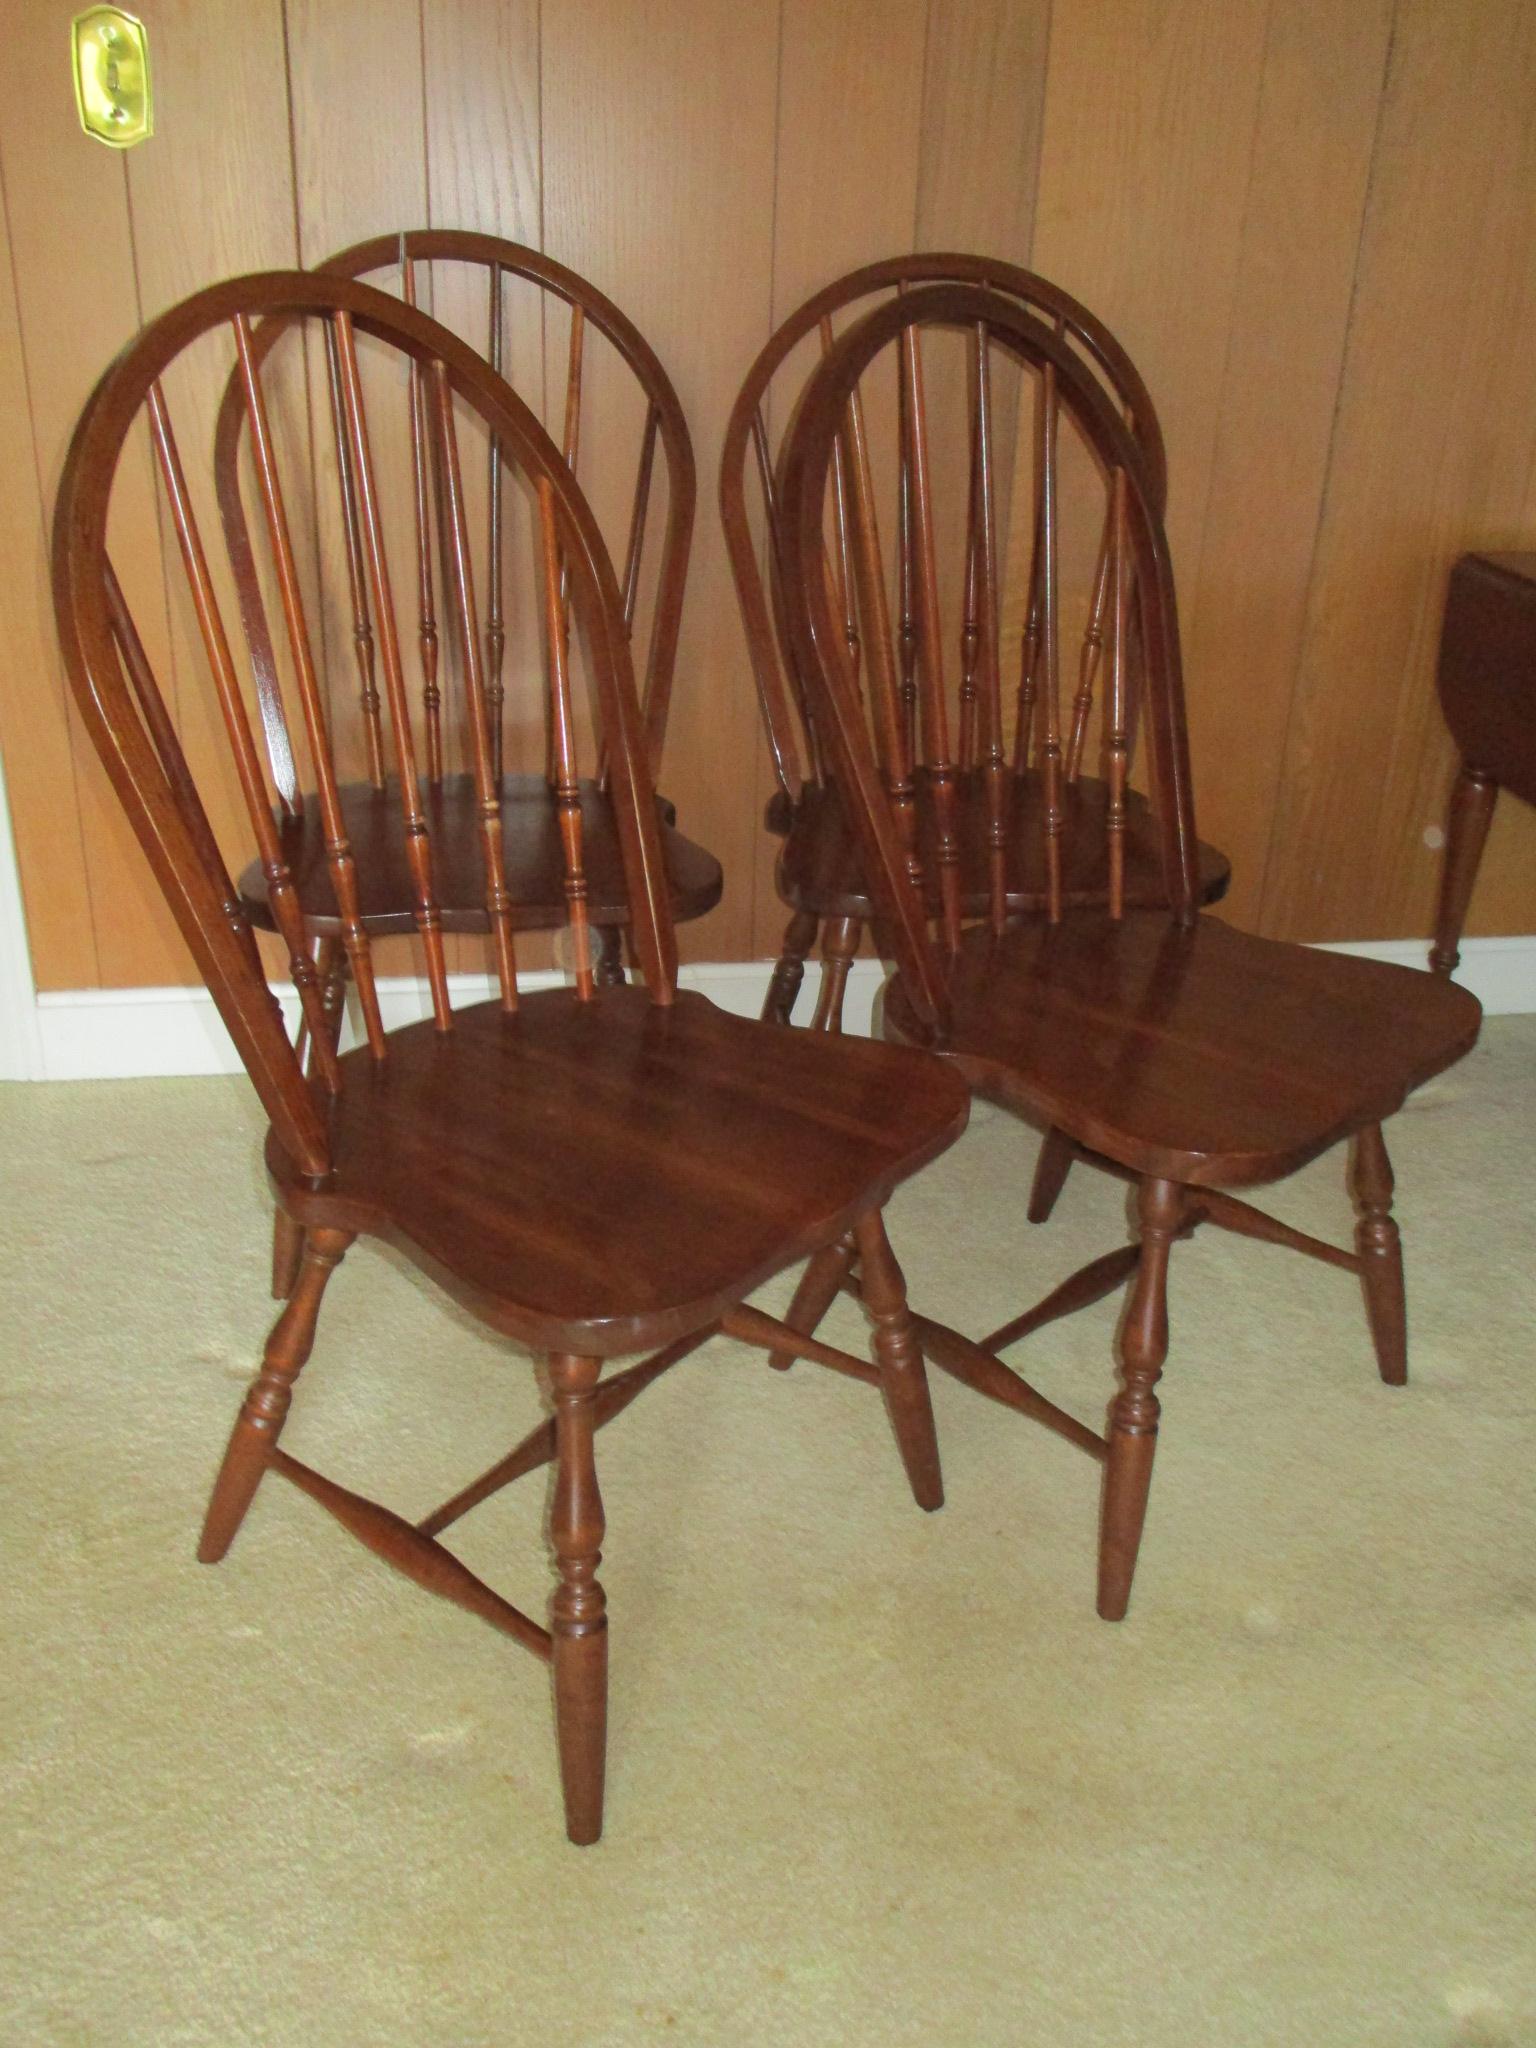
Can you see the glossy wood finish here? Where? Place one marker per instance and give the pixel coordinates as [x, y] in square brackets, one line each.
[531, 850]
[431, 266]
[1158, 1042]
[819, 871]
[595, 1170]
[1487, 683]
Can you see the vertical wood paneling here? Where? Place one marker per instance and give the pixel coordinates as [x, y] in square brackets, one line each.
[658, 168]
[1243, 591]
[66, 196]
[34, 726]
[1150, 109]
[979, 139]
[1431, 455]
[1312, 224]
[848, 149]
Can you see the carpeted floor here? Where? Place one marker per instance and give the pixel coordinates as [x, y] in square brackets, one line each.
[875, 1777]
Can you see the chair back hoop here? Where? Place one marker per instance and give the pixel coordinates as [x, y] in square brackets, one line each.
[126, 713]
[791, 736]
[399, 255]
[870, 752]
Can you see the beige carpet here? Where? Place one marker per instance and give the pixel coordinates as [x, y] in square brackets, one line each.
[875, 1777]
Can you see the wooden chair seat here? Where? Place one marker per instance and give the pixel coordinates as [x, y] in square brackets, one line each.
[603, 1176]
[1194, 1052]
[535, 865]
[821, 868]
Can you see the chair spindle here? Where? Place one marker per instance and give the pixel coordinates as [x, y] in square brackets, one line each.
[1049, 715]
[933, 706]
[1116, 736]
[989, 715]
[1092, 653]
[495, 615]
[498, 901]
[559, 620]
[426, 605]
[842, 526]
[562, 730]
[875, 627]
[284, 898]
[338, 847]
[418, 844]
[363, 648]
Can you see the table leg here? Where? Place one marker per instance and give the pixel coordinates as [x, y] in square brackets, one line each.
[1466, 834]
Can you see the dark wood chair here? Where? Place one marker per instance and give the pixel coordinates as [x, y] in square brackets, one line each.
[500, 290]
[593, 1171]
[1160, 1043]
[819, 871]
[1487, 683]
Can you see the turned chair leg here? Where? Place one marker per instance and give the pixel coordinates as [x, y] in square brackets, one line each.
[1379, 1244]
[609, 972]
[287, 1251]
[1466, 834]
[839, 943]
[824, 1273]
[288, 1236]
[903, 1376]
[260, 1421]
[578, 1610]
[1051, 1170]
[784, 984]
[1133, 1417]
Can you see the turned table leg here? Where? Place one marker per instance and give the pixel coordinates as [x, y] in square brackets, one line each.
[1466, 834]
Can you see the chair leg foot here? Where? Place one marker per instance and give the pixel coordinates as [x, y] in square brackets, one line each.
[1133, 1419]
[287, 1251]
[824, 1273]
[1379, 1245]
[579, 1608]
[260, 1421]
[903, 1376]
[789, 973]
[1051, 1170]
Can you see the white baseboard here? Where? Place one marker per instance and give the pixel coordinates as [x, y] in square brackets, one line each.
[117, 1034]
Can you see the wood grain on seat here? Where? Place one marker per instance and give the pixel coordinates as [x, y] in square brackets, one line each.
[1193, 1051]
[606, 1176]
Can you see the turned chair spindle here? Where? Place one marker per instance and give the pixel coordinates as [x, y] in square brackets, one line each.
[955, 775]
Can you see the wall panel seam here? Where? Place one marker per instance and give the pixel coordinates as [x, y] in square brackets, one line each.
[44, 520]
[1308, 606]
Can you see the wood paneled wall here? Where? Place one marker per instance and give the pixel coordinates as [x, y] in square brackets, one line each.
[1313, 222]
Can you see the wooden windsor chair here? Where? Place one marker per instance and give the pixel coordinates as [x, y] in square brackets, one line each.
[592, 1170]
[819, 873]
[1153, 1040]
[497, 290]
